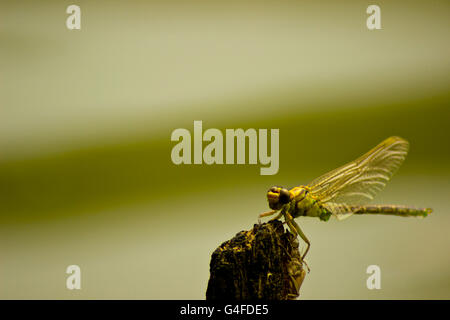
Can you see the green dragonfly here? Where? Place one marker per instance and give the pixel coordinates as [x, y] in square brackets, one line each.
[345, 190]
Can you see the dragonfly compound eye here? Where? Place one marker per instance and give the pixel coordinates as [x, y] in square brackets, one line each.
[284, 196]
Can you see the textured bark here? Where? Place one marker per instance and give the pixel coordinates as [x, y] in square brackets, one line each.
[262, 263]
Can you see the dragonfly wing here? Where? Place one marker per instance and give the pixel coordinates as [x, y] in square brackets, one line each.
[359, 181]
[340, 211]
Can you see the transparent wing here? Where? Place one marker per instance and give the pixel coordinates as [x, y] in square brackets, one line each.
[359, 181]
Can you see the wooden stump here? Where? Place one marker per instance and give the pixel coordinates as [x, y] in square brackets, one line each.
[262, 263]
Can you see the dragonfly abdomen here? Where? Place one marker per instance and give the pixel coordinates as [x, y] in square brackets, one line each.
[401, 211]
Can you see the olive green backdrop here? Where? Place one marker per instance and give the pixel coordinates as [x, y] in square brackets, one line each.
[86, 116]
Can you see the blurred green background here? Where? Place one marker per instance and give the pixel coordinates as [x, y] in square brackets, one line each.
[86, 116]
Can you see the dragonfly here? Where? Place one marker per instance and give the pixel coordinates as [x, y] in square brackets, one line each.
[344, 191]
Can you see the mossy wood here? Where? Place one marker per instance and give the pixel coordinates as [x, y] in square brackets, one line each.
[262, 263]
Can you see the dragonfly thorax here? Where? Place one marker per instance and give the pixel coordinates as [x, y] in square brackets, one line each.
[278, 197]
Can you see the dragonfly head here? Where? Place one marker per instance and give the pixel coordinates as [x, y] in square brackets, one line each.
[278, 197]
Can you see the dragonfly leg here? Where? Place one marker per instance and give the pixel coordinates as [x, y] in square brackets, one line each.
[293, 225]
[265, 214]
[269, 213]
[290, 225]
[277, 217]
